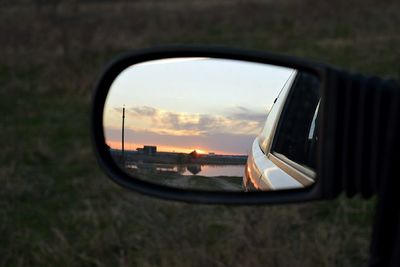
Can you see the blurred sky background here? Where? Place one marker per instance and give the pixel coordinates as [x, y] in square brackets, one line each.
[58, 208]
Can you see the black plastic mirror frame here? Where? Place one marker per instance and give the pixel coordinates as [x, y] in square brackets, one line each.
[319, 190]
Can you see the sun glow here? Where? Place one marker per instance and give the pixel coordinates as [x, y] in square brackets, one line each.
[161, 148]
[200, 151]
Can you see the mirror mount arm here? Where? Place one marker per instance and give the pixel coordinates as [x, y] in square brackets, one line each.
[360, 149]
[360, 124]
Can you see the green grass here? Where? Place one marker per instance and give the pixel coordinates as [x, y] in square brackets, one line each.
[196, 182]
[56, 205]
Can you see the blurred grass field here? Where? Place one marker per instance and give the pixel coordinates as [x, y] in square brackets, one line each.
[57, 208]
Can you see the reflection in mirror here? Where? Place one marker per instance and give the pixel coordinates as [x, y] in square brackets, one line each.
[194, 123]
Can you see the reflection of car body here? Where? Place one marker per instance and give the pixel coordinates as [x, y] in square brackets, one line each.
[278, 158]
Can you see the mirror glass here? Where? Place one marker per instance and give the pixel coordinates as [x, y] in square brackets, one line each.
[209, 124]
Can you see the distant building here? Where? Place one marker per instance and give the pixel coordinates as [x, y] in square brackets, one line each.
[148, 150]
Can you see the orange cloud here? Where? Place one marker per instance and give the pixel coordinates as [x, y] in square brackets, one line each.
[237, 120]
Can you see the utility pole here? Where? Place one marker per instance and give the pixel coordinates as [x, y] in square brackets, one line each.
[123, 128]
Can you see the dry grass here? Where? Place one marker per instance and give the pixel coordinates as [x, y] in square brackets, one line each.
[57, 208]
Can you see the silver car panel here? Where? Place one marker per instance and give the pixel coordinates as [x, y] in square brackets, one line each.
[271, 177]
[268, 132]
[263, 173]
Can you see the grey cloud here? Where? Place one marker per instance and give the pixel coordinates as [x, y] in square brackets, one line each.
[177, 122]
[211, 123]
[171, 119]
[205, 124]
[242, 113]
[239, 119]
[143, 111]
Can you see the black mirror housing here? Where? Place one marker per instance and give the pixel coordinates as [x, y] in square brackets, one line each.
[344, 148]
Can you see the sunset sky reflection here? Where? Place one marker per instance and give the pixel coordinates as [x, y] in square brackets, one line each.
[213, 105]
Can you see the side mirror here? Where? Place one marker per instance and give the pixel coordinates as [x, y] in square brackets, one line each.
[230, 126]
